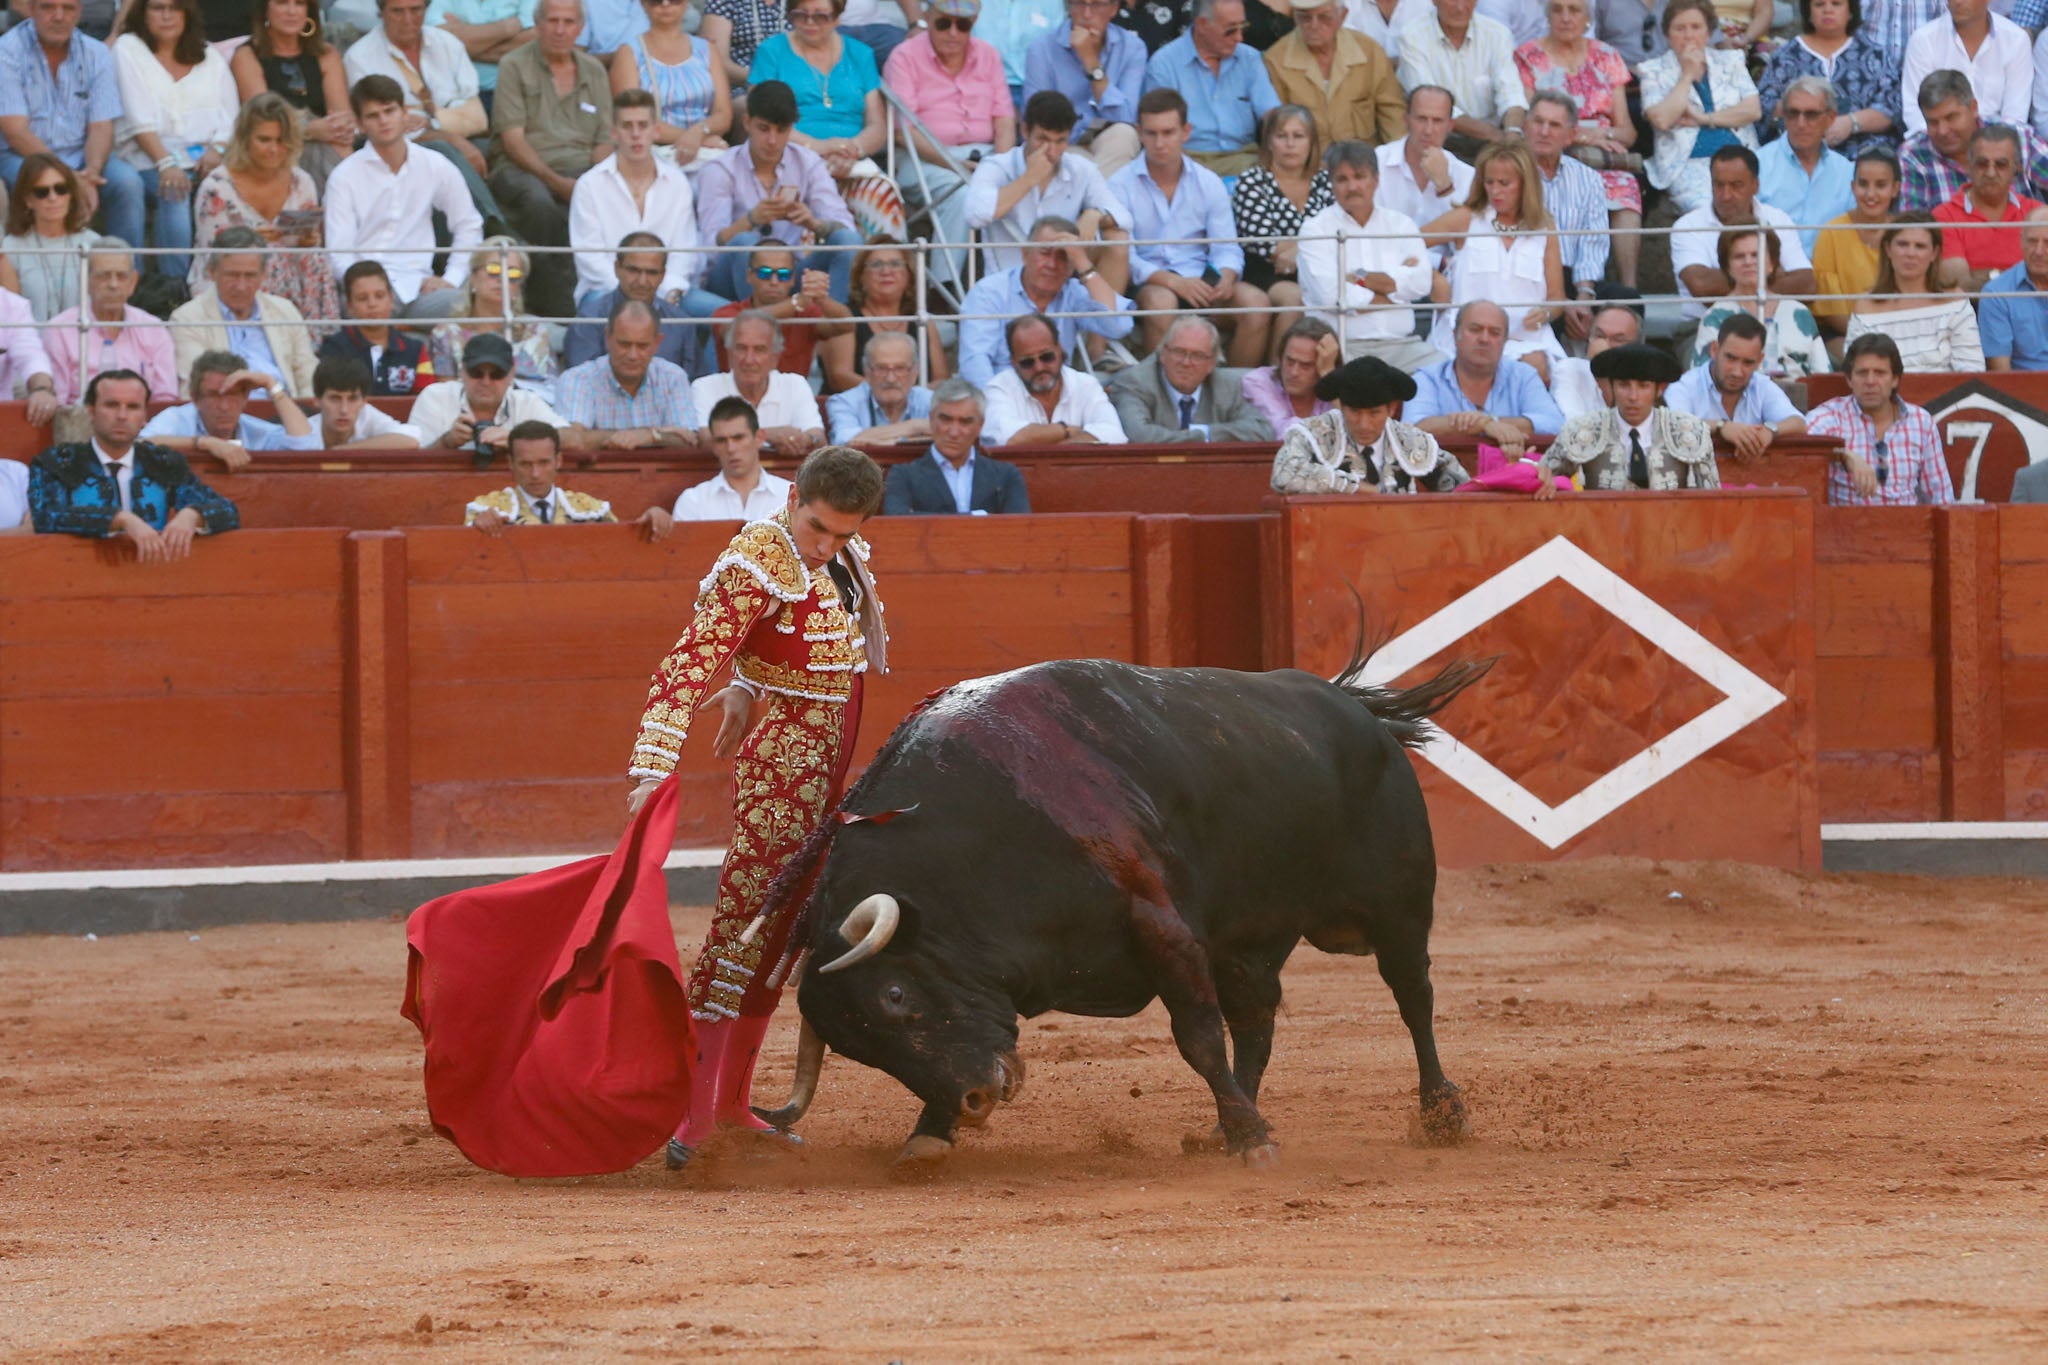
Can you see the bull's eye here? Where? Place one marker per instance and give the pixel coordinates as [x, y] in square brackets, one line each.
[894, 995]
[896, 1000]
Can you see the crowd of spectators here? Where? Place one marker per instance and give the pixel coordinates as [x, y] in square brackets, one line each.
[670, 223]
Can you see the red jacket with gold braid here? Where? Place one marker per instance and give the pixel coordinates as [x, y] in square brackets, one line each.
[782, 628]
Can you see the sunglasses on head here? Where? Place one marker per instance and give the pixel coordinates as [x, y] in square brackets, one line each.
[946, 23]
[508, 271]
[774, 272]
[486, 372]
[49, 191]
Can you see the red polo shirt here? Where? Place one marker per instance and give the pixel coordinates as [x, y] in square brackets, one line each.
[1992, 248]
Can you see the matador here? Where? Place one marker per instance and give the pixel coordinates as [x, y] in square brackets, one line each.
[790, 609]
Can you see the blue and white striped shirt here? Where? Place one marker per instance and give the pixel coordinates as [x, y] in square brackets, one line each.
[590, 395]
[1577, 198]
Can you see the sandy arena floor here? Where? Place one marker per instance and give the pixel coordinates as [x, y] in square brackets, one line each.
[1778, 1118]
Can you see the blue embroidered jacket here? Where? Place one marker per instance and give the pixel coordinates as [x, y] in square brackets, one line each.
[70, 492]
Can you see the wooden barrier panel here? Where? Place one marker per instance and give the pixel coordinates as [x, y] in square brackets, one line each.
[2021, 599]
[1993, 425]
[529, 655]
[1654, 694]
[177, 714]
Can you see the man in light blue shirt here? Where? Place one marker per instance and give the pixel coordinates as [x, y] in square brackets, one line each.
[1056, 279]
[889, 407]
[609, 25]
[1225, 84]
[1476, 393]
[1182, 207]
[1011, 28]
[1798, 172]
[490, 29]
[1041, 176]
[215, 423]
[69, 113]
[1740, 405]
[2015, 329]
[1100, 68]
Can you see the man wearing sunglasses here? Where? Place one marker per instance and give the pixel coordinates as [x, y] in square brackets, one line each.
[1797, 172]
[477, 411]
[1039, 401]
[953, 82]
[1225, 83]
[1891, 453]
[1057, 278]
[805, 308]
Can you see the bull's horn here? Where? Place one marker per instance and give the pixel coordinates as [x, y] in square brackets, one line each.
[810, 1059]
[869, 929]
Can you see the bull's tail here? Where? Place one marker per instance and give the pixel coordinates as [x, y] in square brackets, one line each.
[1405, 711]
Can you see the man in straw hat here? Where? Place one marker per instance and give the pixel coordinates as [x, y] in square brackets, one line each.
[1636, 443]
[1357, 446]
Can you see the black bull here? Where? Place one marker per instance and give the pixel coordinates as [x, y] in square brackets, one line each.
[1087, 836]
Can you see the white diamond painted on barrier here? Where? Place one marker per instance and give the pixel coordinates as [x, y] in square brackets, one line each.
[1745, 696]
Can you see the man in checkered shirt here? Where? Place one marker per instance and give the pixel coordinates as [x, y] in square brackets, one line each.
[1891, 453]
[1932, 165]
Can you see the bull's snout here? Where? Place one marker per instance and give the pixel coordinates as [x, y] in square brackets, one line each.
[979, 1103]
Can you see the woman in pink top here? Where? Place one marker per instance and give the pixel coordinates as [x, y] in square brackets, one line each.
[955, 85]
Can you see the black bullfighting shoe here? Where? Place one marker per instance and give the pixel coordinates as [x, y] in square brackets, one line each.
[678, 1156]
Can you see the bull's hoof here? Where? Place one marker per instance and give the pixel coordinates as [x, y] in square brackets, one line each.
[921, 1155]
[771, 1139]
[678, 1156]
[1264, 1157]
[1442, 1122]
[1199, 1140]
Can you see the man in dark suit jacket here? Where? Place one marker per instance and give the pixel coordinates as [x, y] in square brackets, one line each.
[116, 485]
[935, 482]
[2031, 484]
[1178, 394]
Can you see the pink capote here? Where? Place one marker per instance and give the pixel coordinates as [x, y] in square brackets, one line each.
[553, 1011]
[1498, 474]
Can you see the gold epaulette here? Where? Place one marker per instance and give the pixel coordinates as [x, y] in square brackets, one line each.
[766, 552]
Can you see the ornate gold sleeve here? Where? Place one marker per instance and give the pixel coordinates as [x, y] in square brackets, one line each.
[727, 608]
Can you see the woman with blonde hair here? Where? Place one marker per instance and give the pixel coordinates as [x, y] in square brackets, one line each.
[496, 290]
[288, 55]
[261, 185]
[1934, 335]
[1506, 254]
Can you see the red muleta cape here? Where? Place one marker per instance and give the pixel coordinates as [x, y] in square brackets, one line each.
[557, 1032]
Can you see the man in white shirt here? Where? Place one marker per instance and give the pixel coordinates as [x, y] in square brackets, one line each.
[1012, 190]
[1038, 401]
[1473, 57]
[380, 205]
[791, 424]
[1696, 237]
[1994, 52]
[633, 190]
[1383, 22]
[741, 490]
[437, 84]
[1418, 178]
[478, 410]
[1379, 277]
[345, 420]
[1572, 384]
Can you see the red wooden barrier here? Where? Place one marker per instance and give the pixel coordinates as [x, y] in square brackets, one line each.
[190, 713]
[1655, 685]
[2021, 701]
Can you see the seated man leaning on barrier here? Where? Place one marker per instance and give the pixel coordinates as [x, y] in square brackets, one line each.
[535, 499]
[479, 410]
[1741, 405]
[1891, 453]
[741, 490]
[118, 485]
[954, 476]
[216, 422]
[1982, 221]
[1357, 447]
[1572, 384]
[14, 514]
[629, 398]
[790, 421]
[888, 406]
[121, 336]
[1475, 394]
[1039, 401]
[1636, 443]
[1178, 394]
[345, 420]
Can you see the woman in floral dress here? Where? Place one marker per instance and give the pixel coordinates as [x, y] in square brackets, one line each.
[1596, 78]
[261, 185]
